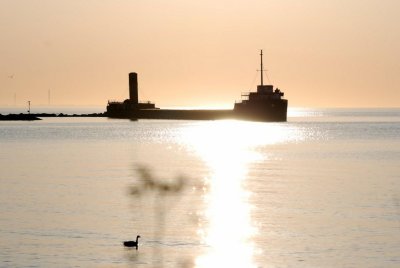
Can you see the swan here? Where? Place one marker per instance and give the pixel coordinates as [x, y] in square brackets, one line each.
[132, 244]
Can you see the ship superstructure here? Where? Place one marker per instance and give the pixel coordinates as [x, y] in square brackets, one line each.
[129, 107]
[266, 104]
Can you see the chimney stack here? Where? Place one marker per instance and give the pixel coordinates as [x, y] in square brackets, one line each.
[133, 88]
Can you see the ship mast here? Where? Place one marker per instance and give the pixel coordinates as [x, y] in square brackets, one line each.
[262, 71]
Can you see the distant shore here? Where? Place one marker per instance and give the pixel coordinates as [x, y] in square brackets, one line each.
[37, 116]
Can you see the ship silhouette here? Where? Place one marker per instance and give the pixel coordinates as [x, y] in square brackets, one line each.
[266, 104]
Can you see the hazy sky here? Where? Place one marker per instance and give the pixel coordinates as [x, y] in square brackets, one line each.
[321, 53]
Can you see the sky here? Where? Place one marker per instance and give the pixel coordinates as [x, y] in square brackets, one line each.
[200, 53]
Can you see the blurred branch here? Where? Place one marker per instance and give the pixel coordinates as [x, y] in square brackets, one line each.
[149, 183]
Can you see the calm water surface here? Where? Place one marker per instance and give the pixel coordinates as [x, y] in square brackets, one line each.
[322, 190]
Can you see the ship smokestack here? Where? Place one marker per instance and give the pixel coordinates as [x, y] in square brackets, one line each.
[262, 69]
[133, 88]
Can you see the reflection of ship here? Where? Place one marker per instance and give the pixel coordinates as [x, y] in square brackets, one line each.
[266, 104]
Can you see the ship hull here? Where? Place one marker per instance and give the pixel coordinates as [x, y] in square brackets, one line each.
[276, 113]
[271, 111]
[174, 114]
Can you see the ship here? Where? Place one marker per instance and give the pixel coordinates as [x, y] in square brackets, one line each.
[266, 105]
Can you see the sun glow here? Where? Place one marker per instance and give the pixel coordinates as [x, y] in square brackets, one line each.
[228, 148]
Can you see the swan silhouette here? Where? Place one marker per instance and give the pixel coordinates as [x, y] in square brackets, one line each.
[132, 244]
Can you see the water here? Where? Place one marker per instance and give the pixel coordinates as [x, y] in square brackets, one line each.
[322, 190]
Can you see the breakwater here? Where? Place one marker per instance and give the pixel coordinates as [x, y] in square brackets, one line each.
[37, 116]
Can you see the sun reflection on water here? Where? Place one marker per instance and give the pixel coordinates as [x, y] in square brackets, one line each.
[228, 148]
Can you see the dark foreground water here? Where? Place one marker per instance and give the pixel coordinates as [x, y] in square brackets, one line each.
[322, 190]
